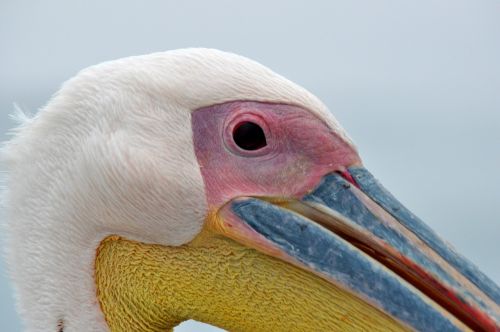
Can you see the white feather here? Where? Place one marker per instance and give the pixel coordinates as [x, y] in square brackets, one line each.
[112, 153]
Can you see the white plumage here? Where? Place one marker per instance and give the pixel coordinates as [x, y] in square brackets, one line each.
[102, 158]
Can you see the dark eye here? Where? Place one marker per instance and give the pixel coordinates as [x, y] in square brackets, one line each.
[249, 136]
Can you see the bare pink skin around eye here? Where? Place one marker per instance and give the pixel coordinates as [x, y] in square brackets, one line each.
[300, 150]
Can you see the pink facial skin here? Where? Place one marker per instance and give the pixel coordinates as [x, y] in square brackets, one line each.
[300, 150]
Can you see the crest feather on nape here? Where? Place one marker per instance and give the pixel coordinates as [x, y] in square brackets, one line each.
[21, 119]
[20, 116]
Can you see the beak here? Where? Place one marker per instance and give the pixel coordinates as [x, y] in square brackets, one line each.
[352, 232]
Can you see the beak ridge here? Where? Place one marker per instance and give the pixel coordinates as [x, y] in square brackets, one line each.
[352, 232]
[373, 189]
[328, 255]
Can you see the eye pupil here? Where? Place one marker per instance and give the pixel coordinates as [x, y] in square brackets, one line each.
[249, 136]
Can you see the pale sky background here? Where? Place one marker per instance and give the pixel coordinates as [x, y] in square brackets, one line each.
[415, 83]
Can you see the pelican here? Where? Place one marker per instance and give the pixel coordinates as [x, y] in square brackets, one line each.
[198, 184]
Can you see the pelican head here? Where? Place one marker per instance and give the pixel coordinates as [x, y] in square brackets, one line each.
[198, 184]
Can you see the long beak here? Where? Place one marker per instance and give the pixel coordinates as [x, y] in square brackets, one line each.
[352, 232]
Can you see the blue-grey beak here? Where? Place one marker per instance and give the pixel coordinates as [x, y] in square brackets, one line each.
[352, 232]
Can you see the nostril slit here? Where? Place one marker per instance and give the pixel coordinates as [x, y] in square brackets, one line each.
[348, 177]
[249, 136]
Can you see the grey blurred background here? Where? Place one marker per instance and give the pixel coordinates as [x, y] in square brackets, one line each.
[415, 83]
